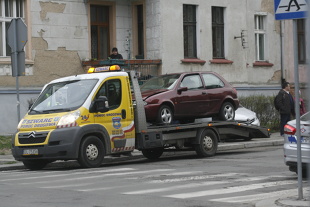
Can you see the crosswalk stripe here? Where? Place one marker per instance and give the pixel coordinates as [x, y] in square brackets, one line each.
[176, 187]
[167, 174]
[67, 186]
[101, 176]
[228, 190]
[68, 174]
[198, 177]
[256, 197]
[193, 185]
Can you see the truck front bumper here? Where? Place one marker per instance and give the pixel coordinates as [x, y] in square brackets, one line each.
[59, 144]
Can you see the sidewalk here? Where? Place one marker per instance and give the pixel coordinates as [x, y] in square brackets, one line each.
[291, 201]
[285, 200]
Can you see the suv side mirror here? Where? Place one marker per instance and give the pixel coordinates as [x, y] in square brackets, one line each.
[100, 104]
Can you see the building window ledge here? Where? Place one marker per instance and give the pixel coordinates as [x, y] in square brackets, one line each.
[221, 61]
[262, 64]
[193, 60]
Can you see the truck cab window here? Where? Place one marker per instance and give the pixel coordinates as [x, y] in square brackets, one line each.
[112, 90]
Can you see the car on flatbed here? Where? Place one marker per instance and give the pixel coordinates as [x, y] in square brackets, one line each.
[244, 115]
[187, 96]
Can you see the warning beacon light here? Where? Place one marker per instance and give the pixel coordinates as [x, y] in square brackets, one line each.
[104, 69]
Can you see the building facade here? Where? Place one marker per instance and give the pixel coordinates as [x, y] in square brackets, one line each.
[238, 39]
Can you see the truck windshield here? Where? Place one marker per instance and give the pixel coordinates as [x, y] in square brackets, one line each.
[161, 82]
[63, 96]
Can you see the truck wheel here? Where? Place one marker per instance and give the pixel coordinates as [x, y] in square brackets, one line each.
[91, 152]
[165, 115]
[207, 144]
[153, 154]
[227, 112]
[35, 164]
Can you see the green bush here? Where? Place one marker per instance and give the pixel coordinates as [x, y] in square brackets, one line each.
[264, 108]
[5, 142]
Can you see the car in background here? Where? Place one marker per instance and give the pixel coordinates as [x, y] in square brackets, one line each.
[186, 96]
[246, 116]
[290, 143]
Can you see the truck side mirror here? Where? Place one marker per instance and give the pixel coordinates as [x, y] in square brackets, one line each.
[100, 104]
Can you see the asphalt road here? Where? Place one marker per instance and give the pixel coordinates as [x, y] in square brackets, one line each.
[234, 178]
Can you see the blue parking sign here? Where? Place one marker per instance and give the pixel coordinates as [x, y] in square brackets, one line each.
[290, 9]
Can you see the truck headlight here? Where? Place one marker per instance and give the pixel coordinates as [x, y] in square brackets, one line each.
[69, 120]
[20, 123]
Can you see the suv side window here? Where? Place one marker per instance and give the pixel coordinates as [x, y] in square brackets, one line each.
[192, 82]
[211, 81]
[112, 90]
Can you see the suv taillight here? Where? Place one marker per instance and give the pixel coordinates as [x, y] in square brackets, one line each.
[288, 129]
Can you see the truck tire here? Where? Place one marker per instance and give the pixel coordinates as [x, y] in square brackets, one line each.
[165, 115]
[91, 152]
[153, 154]
[227, 112]
[208, 142]
[35, 164]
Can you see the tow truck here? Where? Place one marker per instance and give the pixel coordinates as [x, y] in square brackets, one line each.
[89, 116]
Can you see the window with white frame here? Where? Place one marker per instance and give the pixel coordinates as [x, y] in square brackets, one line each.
[260, 37]
[9, 9]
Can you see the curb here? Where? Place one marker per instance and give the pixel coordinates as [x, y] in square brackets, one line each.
[250, 144]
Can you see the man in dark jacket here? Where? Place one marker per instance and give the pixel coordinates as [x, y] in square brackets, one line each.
[115, 54]
[286, 105]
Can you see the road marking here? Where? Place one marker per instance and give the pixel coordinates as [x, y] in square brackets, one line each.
[67, 186]
[101, 176]
[176, 187]
[228, 190]
[199, 177]
[193, 185]
[68, 174]
[167, 174]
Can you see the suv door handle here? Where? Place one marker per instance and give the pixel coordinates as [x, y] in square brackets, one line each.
[204, 93]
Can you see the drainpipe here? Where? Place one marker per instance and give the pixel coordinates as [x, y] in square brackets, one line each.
[282, 52]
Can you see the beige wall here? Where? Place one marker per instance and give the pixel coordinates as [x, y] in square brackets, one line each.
[239, 15]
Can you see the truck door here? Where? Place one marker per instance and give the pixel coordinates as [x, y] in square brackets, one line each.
[118, 120]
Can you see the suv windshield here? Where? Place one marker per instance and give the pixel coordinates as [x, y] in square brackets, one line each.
[63, 96]
[161, 82]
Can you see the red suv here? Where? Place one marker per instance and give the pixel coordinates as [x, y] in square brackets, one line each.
[187, 96]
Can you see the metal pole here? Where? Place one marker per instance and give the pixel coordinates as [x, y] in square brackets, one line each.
[282, 51]
[297, 110]
[18, 102]
[308, 72]
[14, 52]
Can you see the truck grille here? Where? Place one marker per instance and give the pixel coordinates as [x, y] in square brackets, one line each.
[32, 137]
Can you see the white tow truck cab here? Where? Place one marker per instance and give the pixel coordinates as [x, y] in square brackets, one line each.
[88, 116]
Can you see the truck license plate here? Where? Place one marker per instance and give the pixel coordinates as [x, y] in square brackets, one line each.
[31, 152]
